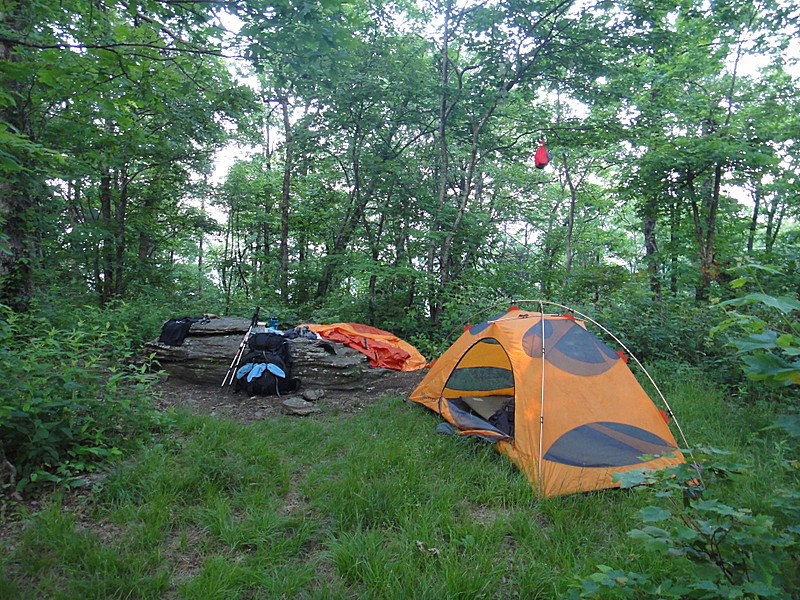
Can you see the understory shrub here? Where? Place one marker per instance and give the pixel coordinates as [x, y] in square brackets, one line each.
[67, 399]
[725, 549]
[763, 328]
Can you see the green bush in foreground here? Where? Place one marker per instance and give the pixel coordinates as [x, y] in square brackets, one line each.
[731, 551]
[67, 401]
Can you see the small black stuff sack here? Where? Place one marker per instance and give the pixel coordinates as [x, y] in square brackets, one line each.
[174, 331]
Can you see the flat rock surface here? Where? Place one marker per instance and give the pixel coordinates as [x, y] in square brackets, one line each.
[209, 349]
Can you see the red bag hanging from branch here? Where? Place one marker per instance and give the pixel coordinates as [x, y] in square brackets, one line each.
[542, 156]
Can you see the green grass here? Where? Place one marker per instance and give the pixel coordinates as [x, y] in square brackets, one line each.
[372, 505]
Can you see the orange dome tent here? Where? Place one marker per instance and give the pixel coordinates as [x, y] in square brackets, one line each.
[559, 402]
[384, 349]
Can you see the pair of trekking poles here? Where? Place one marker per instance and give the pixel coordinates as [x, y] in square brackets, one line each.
[231, 374]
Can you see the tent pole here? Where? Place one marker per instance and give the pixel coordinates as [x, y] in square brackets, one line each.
[541, 405]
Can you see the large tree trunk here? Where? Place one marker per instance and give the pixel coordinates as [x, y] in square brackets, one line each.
[16, 198]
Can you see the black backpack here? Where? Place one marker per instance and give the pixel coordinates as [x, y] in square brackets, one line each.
[174, 331]
[267, 369]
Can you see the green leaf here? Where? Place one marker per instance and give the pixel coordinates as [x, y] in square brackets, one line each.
[704, 584]
[633, 478]
[790, 424]
[785, 304]
[761, 590]
[717, 507]
[766, 268]
[737, 283]
[766, 340]
[763, 365]
[652, 514]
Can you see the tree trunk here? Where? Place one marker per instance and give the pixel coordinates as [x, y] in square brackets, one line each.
[107, 245]
[757, 196]
[705, 223]
[120, 217]
[285, 197]
[674, 224]
[775, 213]
[445, 106]
[16, 198]
[651, 252]
[573, 199]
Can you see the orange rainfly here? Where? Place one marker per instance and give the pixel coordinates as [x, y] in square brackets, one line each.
[554, 398]
[384, 349]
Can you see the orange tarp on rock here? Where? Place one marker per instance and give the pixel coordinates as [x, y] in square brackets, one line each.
[385, 350]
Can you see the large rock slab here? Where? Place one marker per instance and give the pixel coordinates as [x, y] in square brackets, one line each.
[209, 348]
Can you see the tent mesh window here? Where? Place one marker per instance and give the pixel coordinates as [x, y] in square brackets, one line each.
[569, 347]
[607, 444]
[483, 394]
[489, 372]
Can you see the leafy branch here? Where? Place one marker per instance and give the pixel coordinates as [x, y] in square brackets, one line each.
[770, 348]
[731, 551]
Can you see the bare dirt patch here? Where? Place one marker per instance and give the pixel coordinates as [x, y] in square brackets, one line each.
[214, 400]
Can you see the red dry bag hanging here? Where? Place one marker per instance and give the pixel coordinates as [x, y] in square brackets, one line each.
[542, 156]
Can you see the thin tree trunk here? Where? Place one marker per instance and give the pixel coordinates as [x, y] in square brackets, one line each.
[651, 251]
[120, 215]
[285, 197]
[757, 196]
[445, 106]
[674, 223]
[106, 248]
[573, 199]
[705, 221]
[775, 215]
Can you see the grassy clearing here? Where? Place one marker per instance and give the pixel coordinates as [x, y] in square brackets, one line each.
[370, 505]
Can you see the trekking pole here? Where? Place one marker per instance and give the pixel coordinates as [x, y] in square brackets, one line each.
[232, 369]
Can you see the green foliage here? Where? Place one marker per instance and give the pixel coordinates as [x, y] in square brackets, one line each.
[725, 549]
[68, 402]
[764, 330]
[670, 330]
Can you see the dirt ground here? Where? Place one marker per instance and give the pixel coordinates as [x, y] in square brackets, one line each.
[216, 401]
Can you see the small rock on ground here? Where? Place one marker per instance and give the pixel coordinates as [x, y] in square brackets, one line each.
[298, 407]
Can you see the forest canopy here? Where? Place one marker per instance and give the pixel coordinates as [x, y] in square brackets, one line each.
[386, 153]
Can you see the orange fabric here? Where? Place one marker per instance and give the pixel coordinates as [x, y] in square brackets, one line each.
[566, 401]
[385, 350]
